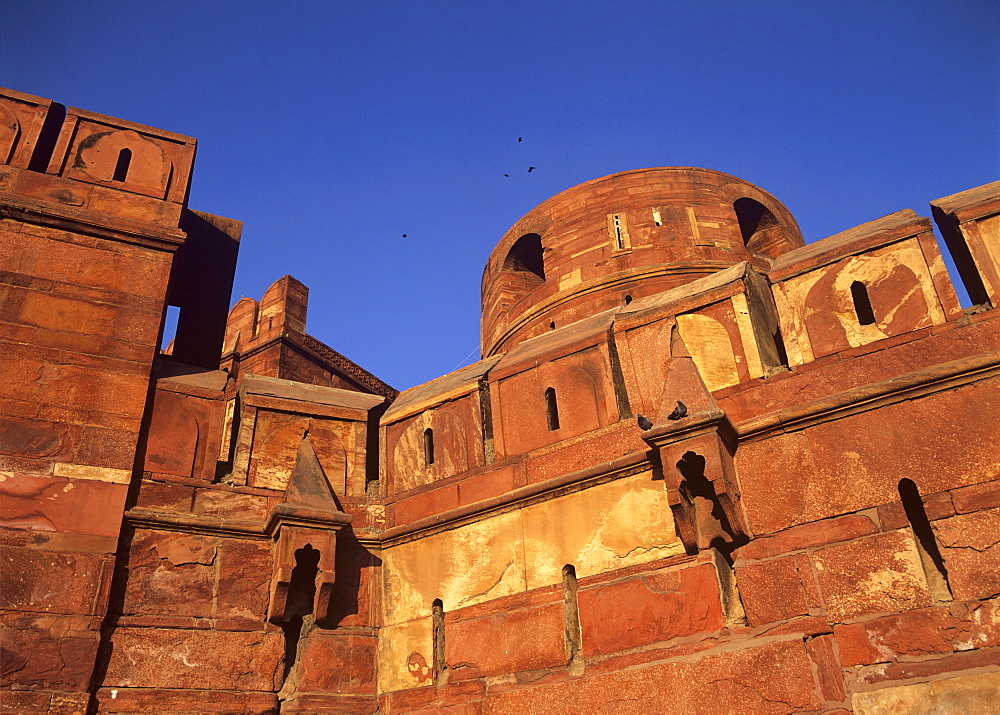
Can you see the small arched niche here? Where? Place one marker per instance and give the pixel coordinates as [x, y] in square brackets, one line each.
[761, 231]
[525, 256]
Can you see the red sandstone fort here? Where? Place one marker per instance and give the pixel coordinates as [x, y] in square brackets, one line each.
[702, 466]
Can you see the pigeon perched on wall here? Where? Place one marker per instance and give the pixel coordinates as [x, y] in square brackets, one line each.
[680, 411]
[644, 422]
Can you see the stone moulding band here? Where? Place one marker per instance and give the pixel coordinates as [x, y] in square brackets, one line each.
[945, 376]
[916, 384]
[167, 240]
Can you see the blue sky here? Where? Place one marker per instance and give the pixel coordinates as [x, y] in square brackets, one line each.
[332, 128]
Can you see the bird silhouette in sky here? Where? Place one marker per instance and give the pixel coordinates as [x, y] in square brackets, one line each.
[531, 169]
[404, 235]
[519, 138]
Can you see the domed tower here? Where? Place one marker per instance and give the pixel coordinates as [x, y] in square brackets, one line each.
[598, 245]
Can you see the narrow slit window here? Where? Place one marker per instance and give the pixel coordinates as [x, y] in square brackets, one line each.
[551, 409]
[618, 230]
[930, 555]
[862, 303]
[573, 637]
[628, 299]
[121, 168]
[429, 446]
[437, 624]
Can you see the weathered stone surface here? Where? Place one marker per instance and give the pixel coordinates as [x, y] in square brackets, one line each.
[736, 681]
[49, 582]
[510, 641]
[79, 506]
[655, 607]
[774, 590]
[873, 574]
[48, 653]
[200, 660]
[171, 700]
[970, 545]
[484, 485]
[337, 663]
[969, 694]
[606, 527]
[852, 463]
[797, 538]
[918, 633]
[405, 655]
[464, 566]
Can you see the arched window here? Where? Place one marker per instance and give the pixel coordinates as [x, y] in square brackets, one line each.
[121, 168]
[760, 229]
[525, 256]
[862, 303]
[551, 409]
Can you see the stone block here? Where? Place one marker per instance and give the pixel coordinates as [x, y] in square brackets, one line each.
[48, 653]
[649, 609]
[820, 533]
[831, 682]
[425, 504]
[405, 655]
[976, 497]
[49, 582]
[164, 496]
[485, 485]
[171, 574]
[337, 663]
[735, 681]
[243, 581]
[871, 575]
[79, 506]
[510, 641]
[170, 700]
[773, 590]
[917, 633]
[969, 694]
[970, 545]
[195, 659]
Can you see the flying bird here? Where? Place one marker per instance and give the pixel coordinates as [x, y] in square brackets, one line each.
[506, 174]
[404, 235]
[531, 169]
[644, 422]
[519, 138]
[680, 411]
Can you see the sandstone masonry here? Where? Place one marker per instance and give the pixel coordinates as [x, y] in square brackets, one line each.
[703, 466]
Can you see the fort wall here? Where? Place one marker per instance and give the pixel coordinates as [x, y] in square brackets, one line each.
[702, 465]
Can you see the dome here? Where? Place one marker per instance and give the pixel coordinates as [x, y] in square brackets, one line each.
[598, 245]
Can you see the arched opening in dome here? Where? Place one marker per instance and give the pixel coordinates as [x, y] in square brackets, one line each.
[525, 256]
[761, 231]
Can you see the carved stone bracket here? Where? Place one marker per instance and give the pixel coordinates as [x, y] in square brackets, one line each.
[304, 528]
[295, 529]
[700, 477]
